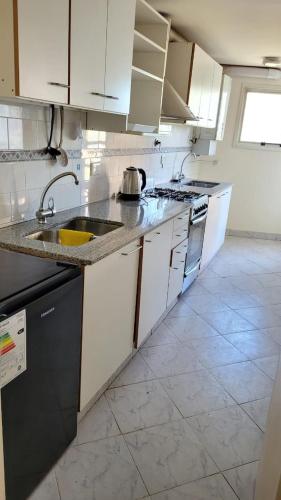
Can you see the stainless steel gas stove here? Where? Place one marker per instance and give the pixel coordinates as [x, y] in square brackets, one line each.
[199, 210]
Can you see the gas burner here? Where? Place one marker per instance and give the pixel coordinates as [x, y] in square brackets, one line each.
[173, 194]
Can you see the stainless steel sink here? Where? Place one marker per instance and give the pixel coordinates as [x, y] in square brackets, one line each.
[203, 184]
[98, 227]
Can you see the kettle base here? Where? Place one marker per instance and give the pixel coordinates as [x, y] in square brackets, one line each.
[129, 197]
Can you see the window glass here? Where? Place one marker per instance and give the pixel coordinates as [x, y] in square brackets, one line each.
[262, 118]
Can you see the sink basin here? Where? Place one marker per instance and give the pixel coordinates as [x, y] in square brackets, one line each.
[203, 184]
[96, 226]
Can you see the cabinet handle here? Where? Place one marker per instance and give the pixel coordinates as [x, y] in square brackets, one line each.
[157, 233]
[148, 241]
[100, 94]
[132, 251]
[176, 268]
[57, 84]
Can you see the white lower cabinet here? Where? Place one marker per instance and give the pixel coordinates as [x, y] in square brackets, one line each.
[154, 280]
[215, 225]
[110, 291]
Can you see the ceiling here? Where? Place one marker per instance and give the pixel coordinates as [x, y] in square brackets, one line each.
[232, 31]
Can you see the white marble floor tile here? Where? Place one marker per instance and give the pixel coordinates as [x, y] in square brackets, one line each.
[239, 299]
[162, 335]
[195, 289]
[229, 435]
[196, 393]
[181, 309]
[103, 470]
[169, 360]
[169, 455]
[207, 273]
[217, 285]
[243, 480]
[258, 411]
[261, 317]
[244, 381]
[47, 489]
[205, 303]
[216, 351]
[269, 296]
[268, 365]
[136, 371]
[141, 405]
[98, 423]
[275, 333]
[269, 279]
[190, 328]
[208, 488]
[245, 283]
[254, 344]
[228, 322]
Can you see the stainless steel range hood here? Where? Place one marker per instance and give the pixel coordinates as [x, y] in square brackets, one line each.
[174, 109]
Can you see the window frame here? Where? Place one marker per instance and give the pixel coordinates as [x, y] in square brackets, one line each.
[269, 89]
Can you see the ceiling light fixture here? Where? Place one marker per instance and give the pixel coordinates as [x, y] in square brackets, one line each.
[272, 62]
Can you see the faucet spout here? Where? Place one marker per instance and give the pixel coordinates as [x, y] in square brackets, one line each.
[42, 213]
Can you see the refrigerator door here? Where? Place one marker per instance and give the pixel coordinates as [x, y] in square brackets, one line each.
[39, 408]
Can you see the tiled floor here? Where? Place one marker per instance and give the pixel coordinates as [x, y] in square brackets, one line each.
[185, 419]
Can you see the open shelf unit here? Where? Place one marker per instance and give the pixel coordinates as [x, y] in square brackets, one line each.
[151, 37]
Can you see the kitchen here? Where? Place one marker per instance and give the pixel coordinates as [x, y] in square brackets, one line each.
[139, 344]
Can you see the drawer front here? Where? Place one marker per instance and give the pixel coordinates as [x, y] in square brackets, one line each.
[175, 283]
[181, 220]
[179, 254]
[179, 235]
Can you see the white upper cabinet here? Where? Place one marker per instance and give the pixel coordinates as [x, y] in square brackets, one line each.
[34, 60]
[196, 77]
[102, 34]
[119, 55]
[88, 53]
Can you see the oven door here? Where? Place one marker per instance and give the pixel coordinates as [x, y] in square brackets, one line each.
[195, 241]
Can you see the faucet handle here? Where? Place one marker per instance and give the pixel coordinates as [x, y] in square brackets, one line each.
[51, 204]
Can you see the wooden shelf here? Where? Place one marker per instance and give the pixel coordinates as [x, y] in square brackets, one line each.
[144, 44]
[145, 14]
[141, 74]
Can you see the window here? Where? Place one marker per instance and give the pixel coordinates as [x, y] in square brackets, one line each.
[261, 121]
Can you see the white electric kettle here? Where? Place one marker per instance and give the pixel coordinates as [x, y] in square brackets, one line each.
[134, 182]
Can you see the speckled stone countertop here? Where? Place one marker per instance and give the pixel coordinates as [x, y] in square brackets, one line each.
[137, 218]
[182, 186]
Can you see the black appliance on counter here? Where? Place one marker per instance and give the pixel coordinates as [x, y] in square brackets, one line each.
[196, 232]
[39, 407]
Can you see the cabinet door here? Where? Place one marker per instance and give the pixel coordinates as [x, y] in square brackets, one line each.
[155, 278]
[215, 226]
[224, 202]
[207, 68]
[215, 95]
[119, 55]
[196, 81]
[108, 318]
[224, 101]
[88, 52]
[43, 49]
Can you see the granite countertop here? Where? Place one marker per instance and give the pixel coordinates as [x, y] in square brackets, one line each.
[181, 186]
[138, 218]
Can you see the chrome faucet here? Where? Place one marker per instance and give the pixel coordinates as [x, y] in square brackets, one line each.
[180, 175]
[42, 213]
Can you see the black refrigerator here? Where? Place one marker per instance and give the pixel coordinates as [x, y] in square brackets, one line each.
[39, 407]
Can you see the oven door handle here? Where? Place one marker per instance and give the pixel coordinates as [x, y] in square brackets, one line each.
[199, 219]
[190, 271]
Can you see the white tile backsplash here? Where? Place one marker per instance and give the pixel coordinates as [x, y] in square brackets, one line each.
[21, 182]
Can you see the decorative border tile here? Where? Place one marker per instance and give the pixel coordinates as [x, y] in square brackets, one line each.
[35, 155]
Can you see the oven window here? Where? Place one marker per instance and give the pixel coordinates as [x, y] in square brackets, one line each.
[195, 242]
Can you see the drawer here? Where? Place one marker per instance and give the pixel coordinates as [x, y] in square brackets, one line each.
[179, 235]
[178, 254]
[181, 220]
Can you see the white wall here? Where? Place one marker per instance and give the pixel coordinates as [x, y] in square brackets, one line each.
[256, 174]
